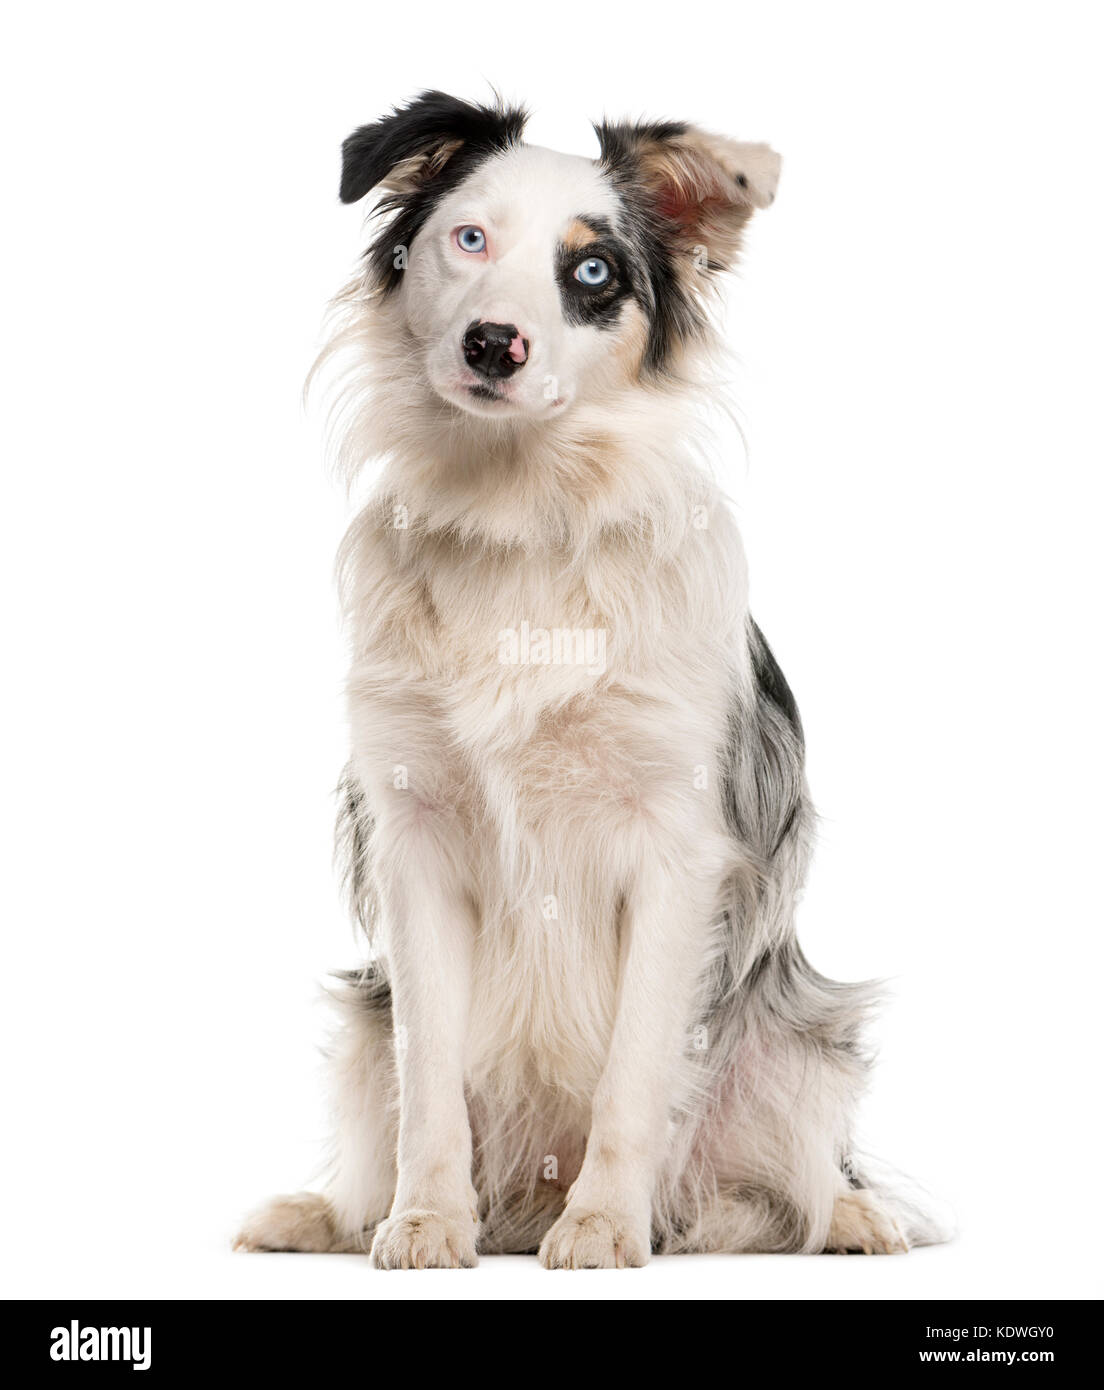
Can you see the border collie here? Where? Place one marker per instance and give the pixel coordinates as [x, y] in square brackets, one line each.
[574, 821]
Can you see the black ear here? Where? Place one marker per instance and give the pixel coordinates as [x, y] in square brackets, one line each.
[409, 148]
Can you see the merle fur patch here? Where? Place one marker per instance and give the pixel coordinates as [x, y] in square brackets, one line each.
[764, 788]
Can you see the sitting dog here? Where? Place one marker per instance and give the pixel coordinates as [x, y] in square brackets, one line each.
[574, 821]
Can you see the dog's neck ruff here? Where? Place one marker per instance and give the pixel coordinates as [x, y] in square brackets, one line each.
[627, 462]
[559, 484]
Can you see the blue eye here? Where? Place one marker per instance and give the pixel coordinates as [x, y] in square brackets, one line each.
[471, 239]
[592, 272]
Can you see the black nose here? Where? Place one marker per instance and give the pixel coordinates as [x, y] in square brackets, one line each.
[495, 349]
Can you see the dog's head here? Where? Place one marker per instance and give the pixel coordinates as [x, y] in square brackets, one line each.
[520, 280]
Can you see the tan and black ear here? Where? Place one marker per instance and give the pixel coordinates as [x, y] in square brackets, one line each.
[409, 149]
[702, 187]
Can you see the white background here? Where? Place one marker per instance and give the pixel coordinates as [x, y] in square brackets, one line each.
[919, 324]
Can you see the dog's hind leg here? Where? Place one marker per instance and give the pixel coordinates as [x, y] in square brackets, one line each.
[864, 1224]
[303, 1222]
[781, 1155]
[361, 1184]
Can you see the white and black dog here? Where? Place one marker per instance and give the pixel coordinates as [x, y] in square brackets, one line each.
[574, 820]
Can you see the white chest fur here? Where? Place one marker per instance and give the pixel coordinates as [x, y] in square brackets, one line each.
[546, 717]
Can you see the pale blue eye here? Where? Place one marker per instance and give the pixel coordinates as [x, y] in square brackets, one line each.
[471, 239]
[592, 272]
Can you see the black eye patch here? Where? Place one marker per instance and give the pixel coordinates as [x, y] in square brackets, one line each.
[597, 305]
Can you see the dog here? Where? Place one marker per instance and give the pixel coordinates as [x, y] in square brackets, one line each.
[575, 823]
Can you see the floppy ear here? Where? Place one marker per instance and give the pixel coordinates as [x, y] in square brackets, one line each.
[701, 187]
[406, 151]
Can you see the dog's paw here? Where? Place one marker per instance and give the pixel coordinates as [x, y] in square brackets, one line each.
[594, 1240]
[862, 1224]
[303, 1222]
[424, 1240]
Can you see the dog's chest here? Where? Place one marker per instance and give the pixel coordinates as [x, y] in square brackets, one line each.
[561, 720]
[547, 652]
[554, 697]
[579, 698]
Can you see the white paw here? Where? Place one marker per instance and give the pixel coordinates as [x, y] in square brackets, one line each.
[424, 1240]
[303, 1222]
[863, 1224]
[594, 1240]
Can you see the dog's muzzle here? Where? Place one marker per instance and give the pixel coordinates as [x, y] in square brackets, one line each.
[495, 350]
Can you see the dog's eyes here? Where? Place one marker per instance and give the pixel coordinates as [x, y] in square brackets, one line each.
[471, 239]
[593, 271]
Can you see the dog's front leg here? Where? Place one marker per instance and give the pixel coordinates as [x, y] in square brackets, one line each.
[608, 1217]
[428, 928]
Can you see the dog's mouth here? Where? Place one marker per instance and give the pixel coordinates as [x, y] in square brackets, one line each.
[482, 392]
[485, 398]
[493, 399]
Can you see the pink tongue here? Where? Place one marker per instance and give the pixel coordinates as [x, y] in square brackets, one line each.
[517, 349]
